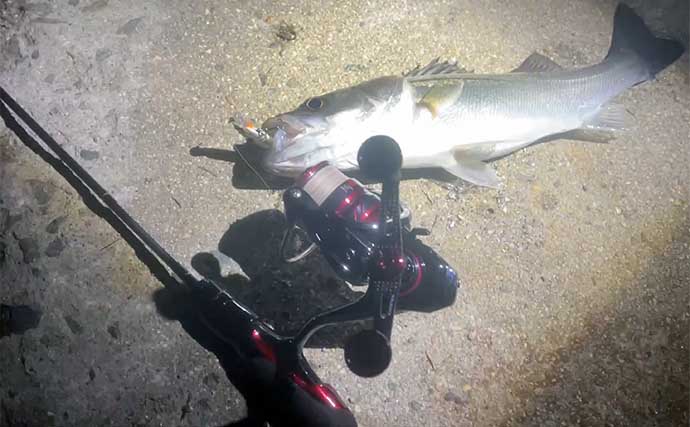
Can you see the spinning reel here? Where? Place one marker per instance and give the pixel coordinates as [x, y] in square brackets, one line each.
[342, 218]
[366, 239]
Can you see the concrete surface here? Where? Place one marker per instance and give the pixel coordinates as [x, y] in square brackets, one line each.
[574, 307]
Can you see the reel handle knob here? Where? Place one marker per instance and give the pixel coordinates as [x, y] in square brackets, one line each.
[380, 158]
[368, 353]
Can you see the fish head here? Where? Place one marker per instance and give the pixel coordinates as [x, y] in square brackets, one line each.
[328, 127]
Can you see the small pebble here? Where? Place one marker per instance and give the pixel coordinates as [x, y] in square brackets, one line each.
[415, 406]
[203, 403]
[41, 191]
[458, 399]
[103, 54]
[55, 224]
[286, 32]
[95, 6]
[355, 68]
[89, 154]
[211, 380]
[4, 220]
[129, 27]
[30, 251]
[55, 248]
[114, 330]
[73, 325]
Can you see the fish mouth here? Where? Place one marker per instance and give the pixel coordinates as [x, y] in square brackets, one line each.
[291, 140]
[284, 129]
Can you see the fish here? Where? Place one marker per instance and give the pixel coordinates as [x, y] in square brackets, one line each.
[444, 117]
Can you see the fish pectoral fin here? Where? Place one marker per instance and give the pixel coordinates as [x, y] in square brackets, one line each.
[475, 171]
[603, 127]
[537, 63]
[435, 68]
[438, 98]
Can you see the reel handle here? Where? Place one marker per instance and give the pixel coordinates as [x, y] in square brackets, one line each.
[368, 353]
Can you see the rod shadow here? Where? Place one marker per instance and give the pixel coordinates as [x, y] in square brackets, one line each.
[248, 380]
[285, 294]
[177, 300]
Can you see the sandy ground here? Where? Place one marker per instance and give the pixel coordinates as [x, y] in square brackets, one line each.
[574, 305]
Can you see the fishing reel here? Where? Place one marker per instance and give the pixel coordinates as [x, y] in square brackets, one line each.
[340, 217]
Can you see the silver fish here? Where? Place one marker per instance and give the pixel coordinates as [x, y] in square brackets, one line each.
[443, 117]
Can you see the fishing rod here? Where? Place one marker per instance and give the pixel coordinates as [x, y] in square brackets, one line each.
[360, 234]
[298, 398]
[88, 181]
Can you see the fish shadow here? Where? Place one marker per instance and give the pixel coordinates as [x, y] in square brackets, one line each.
[246, 170]
[247, 173]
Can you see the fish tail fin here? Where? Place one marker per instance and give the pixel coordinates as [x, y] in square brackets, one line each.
[631, 35]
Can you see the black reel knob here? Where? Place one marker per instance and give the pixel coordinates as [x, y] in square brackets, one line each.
[380, 158]
[368, 353]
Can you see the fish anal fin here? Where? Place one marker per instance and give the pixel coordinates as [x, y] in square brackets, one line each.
[587, 135]
[537, 63]
[478, 151]
[475, 171]
[604, 126]
[611, 116]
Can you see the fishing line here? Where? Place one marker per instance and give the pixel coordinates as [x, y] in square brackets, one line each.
[246, 162]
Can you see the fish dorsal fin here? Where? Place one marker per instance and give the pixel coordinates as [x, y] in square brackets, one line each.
[435, 68]
[537, 63]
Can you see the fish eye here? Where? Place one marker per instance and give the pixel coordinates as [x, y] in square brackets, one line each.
[314, 104]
